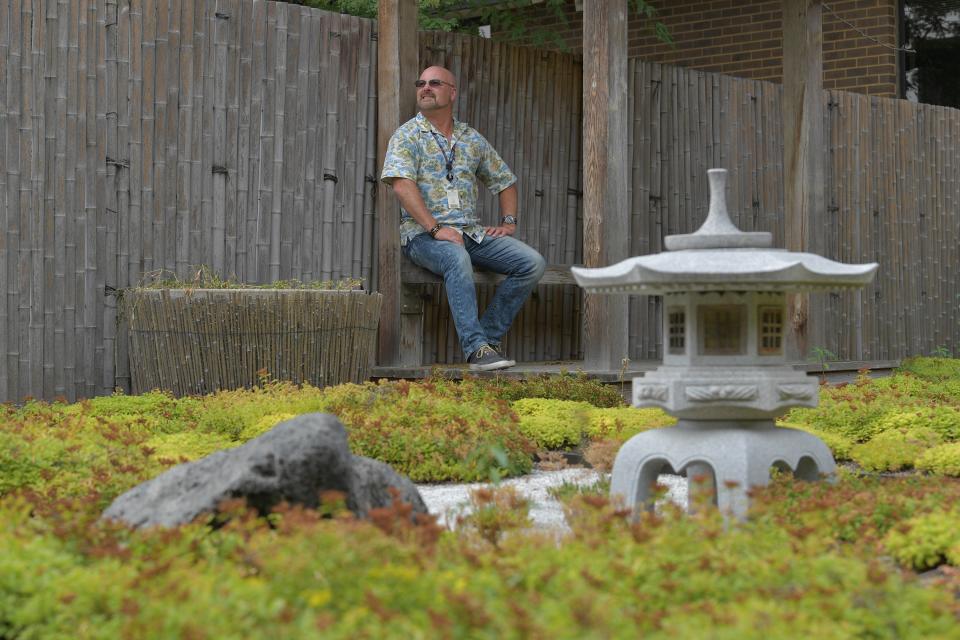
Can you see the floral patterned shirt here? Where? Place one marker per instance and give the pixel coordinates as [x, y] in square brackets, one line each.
[420, 153]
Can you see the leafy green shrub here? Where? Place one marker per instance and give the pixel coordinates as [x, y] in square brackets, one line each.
[23, 459]
[158, 410]
[804, 563]
[264, 424]
[186, 446]
[602, 453]
[64, 450]
[236, 414]
[609, 428]
[932, 369]
[429, 430]
[840, 446]
[857, 510]
[495, 511]
[662, 577]
[942, 460]
[922, 396]
[944, 420]
[565, 386]
[923, 542]
[935, 383]
[854, 418]
[894, 449]
[622, 423]
[553, 424]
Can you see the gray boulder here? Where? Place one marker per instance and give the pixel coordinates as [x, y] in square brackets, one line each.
[295, 462]
[371, 481]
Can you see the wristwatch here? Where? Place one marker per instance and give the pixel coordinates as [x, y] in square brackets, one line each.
[508, 220]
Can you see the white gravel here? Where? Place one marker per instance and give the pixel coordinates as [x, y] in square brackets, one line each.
[450, 500]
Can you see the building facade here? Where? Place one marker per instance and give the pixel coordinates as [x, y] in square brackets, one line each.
[743, 38]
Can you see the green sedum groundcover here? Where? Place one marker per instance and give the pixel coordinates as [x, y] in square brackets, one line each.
[906, 421]
[814, 560]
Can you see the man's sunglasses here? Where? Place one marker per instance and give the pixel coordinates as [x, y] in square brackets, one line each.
[433, 82]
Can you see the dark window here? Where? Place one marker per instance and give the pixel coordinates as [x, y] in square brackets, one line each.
[677, 329]
[770, 330]
[723, 329]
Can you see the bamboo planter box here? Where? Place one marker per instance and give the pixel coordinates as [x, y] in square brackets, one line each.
[196, 341]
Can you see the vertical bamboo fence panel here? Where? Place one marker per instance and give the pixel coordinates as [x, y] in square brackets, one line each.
[138, 135]
[684, 123]
[893, 171]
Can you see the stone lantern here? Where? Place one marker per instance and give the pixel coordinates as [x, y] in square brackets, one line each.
[724, 375]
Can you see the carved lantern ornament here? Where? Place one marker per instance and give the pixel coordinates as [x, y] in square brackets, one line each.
[725, 373]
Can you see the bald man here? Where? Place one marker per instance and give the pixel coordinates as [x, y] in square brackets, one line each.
[433, 164]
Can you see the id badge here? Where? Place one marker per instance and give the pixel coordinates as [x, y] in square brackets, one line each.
[453, 198]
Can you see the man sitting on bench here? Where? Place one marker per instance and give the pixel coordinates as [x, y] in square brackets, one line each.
[433, 163]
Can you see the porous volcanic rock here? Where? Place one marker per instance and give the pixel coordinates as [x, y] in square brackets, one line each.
[295, 462]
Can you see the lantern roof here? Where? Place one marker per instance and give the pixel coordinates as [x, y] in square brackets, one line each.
[720, 257]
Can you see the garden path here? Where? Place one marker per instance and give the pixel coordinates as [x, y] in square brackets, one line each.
[450, 500]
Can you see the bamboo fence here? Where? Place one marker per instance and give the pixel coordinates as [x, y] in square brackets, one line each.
[138, 135]
[164, 134]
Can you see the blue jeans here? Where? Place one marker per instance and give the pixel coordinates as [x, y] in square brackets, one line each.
[522, 265]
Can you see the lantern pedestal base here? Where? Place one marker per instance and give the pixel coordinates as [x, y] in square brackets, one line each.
[732, 455]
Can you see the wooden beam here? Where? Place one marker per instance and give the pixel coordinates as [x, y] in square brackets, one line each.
[554, 274]
[606, 207]
[803, 162]
[396, 103]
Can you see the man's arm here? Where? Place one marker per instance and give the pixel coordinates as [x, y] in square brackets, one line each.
[411, 199]
[508, 207]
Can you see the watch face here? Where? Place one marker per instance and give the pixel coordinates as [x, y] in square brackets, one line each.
[508, 220]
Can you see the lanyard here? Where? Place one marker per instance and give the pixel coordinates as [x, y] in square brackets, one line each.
[448, 161]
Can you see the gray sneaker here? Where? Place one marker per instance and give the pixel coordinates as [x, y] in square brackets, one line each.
[486, 358]
[498, 347]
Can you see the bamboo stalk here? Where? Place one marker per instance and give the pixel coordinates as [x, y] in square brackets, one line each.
[200, 141]
[219, 171]
[285, 179]
[233, 215]
[279, 114]
[262, 140]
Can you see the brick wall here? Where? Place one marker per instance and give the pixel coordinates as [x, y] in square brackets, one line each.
[743, 38]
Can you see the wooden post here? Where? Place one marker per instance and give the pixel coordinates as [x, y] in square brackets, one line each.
[606, 209]
[803, 168]
[396, 102]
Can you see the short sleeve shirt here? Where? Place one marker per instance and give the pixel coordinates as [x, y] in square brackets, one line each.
[420, 153]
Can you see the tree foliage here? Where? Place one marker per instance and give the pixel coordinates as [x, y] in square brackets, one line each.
[930, 19]
[507, 18]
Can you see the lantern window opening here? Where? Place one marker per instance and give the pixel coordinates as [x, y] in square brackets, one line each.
[722, 329]
[677, 330]
[770, 332]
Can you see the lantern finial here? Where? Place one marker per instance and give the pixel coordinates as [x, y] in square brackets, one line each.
[717, 231]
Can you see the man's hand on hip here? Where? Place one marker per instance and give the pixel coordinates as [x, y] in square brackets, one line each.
[449, 234]
[502, 230]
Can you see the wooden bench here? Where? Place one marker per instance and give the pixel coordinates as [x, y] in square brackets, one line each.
[413, 274]
[413, 277]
